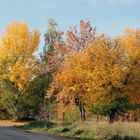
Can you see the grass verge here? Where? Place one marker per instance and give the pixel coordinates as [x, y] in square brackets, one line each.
[90, 130]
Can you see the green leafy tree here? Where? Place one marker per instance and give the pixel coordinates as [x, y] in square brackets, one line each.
[52, 36]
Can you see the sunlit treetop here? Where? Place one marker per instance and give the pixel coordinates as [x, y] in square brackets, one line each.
[17, 49]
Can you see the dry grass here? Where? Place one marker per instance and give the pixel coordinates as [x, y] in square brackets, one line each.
[92, 130]
[105, 131]
[11, 123]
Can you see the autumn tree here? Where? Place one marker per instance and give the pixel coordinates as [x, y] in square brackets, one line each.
[75, 41]
[97, 76]
[47, 66]
[130, 46]
[17, 66]
[90, 70]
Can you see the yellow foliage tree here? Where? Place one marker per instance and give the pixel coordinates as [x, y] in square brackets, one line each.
[130, 48]
[88, 76]
[98, 75]
[17, 60]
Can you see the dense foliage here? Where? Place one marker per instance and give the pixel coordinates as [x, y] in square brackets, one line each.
[78, 73]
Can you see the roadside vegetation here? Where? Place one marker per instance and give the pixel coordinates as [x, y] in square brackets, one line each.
[90, 130]
[79, 76]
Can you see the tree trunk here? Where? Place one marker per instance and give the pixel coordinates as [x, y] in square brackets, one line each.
[82, 112]
[112, 116]
[63, 117]
[15, 117]
[81, 109]
[98, 117]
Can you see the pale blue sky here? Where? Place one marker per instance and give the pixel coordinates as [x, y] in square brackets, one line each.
[109, 16]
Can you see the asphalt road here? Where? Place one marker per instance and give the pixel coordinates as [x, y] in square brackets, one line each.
[10, 133]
